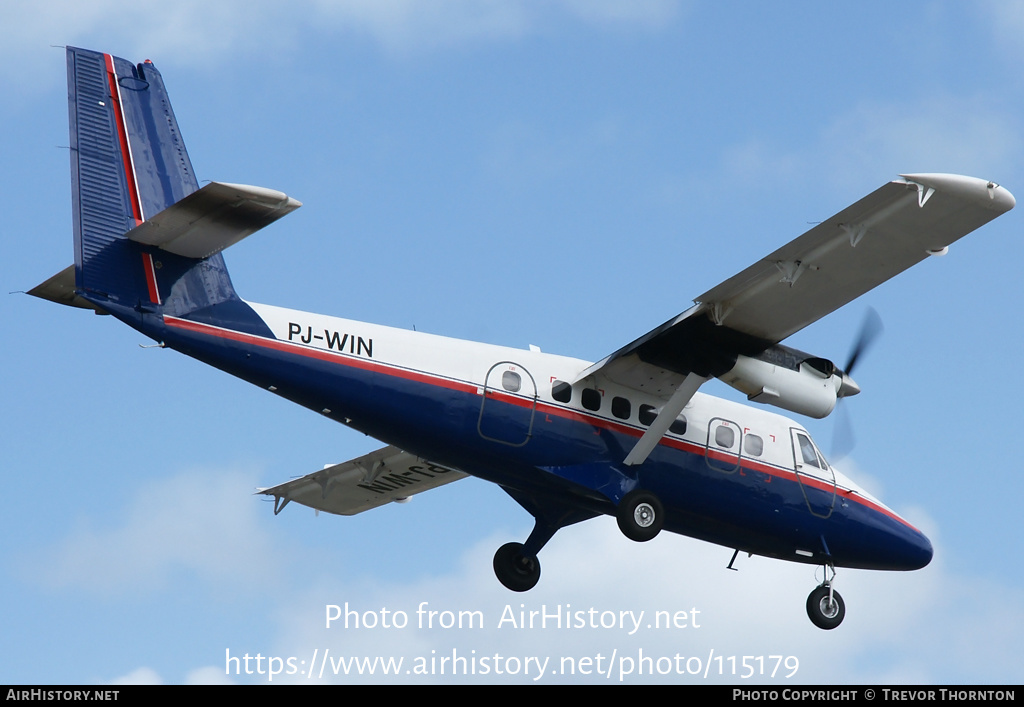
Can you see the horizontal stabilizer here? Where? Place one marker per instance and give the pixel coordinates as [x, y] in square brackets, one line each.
[61, 289]
[373, 480]
[209, 220]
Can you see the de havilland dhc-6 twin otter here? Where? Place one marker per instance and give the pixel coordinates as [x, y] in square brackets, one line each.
[630, 436]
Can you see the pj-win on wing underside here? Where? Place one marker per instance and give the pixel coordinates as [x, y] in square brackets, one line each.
[630, 436]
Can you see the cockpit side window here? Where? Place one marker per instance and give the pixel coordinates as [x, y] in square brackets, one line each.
[807, 451]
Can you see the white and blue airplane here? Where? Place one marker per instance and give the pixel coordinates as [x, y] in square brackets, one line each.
[630, 436]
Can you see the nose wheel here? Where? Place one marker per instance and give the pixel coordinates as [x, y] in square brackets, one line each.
[515, 569]
[825, 607]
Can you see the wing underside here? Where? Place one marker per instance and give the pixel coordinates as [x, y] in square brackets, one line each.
[373, 480]
[883, 234]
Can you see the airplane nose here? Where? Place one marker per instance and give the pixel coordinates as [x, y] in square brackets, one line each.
[900, 547]
[918, 551]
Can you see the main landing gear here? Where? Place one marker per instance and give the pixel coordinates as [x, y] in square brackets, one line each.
[640, 515]
[515, 569]
[825, 607]
[516, 565]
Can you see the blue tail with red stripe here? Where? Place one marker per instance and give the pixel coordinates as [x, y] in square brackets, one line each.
[147, 237]
[128, 163]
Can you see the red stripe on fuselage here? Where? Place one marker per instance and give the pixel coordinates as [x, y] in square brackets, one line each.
[320, 354]
[147, 265]
[746, 464]
[122, 135]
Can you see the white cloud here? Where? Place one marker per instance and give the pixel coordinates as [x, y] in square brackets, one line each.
[401, 25]
[201, 523]
[1007, 23]
[962, 134]
[926, 626]
[642, 13]
[191, 30]
[199, 32]
[139, 676]
[209, 675]
[943, 133]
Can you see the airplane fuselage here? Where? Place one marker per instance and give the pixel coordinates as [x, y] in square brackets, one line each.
[727, 473]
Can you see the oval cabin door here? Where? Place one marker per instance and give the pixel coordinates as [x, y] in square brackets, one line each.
[508, 404]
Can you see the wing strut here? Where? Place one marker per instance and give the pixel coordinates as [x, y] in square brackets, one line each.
[664, 420]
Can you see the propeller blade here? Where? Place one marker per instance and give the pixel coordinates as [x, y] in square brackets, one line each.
[870, 330]
[843, 438]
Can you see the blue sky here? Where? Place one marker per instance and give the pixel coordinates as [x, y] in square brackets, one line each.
[562, 173]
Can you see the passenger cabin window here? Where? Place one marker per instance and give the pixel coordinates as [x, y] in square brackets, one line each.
[753, 445]
[647, 414]
[725, 437]
[591, 399]
[561, 391]
[621, 408]
[511, 381]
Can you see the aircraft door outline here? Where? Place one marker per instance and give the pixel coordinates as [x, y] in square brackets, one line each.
[724, 446]
[810, 464]
[514, 428]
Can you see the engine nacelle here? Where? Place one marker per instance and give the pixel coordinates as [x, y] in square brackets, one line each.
[807, 389]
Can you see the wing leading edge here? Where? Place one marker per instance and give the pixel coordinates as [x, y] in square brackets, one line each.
[880, 236]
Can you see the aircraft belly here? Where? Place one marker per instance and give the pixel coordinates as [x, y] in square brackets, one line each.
[766, 512]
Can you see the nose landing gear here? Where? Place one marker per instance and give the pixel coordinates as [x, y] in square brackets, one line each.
[825, 607]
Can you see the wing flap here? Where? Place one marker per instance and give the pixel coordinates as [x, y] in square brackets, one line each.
[373, 480]
[209, 220]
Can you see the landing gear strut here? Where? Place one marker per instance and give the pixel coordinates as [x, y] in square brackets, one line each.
[825, 607]
[515, 564]
[516, 570]
[640, 515]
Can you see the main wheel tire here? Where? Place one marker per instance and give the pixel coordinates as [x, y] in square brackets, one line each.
[640, 515]
[515, 570]
[822, 613]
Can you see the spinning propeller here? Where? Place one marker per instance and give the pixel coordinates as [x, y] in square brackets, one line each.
[870, 330]
[842, 437]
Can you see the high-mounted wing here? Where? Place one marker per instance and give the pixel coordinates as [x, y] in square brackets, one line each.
[883, 234]
[373, 480]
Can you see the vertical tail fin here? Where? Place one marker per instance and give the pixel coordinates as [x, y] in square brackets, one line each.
[147, 238]
[128, 162]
